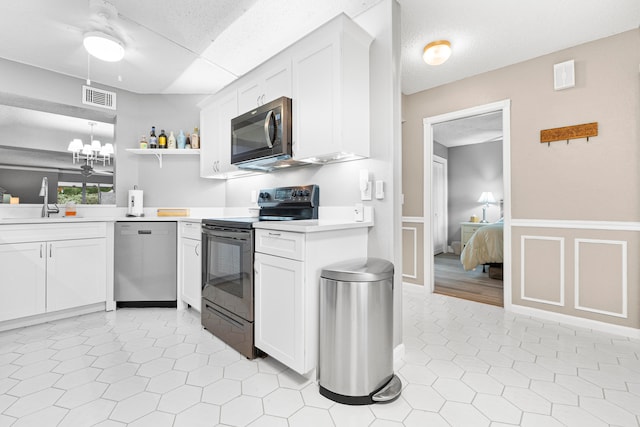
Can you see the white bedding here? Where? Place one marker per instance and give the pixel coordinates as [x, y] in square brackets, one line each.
[484, 247]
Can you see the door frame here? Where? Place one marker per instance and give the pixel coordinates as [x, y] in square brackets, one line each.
[445, 165]
[428, 122]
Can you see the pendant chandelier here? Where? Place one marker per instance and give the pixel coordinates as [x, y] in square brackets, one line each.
[92, 152]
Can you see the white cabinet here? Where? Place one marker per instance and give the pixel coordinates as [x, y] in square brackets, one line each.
[287, 287]
[68, 269]
[23, 289]
[331, 93]
[215, 124]
[190, 264]
[266, 83]
[76, 273]
[279, 309]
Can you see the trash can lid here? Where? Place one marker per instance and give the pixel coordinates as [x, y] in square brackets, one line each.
[359, 270]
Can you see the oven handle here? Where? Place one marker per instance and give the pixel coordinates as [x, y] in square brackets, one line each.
[224, 316]
[225, 234]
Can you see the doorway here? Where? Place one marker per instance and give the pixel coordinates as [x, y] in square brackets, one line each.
[433, 202]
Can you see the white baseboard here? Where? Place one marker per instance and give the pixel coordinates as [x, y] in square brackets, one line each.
[49, 317]
[576, 321]
[413, 286]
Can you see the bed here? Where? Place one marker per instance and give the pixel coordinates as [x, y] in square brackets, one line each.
[484, 247]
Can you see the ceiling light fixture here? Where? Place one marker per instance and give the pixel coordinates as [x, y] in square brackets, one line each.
[92, 152]
[103, 46]
[437, 52]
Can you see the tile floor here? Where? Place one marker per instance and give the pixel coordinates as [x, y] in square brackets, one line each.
[466, 364]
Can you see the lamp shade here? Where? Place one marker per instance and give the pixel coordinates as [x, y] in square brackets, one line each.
[437, 52]
[486, 197]
[95, 145]
[75, 146]
[103, 46]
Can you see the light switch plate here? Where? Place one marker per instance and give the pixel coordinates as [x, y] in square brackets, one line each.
[380, 189]
[358, 212]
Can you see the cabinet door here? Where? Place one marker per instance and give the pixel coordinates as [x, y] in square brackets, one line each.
[190, 272]
[250, 96]
[316, 101]
[23, 270]
[279, 304]
[277, 81]
[265, 85]
[76, 273]
[227, 110]
[209, 151]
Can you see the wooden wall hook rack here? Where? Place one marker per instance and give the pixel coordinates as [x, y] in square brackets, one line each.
[569, 132]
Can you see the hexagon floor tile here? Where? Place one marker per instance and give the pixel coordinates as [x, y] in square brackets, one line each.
[465, 364]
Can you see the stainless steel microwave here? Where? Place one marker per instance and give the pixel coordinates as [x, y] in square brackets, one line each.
[262, 133]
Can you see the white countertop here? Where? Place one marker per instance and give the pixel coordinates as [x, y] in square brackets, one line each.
[57, 220]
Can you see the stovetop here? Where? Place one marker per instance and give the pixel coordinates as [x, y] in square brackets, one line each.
[277, 204]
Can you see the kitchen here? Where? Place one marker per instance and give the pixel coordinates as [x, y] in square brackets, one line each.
[177, 184]
[154, 368]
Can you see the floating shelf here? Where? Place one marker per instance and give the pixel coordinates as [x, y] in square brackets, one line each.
[160, 152]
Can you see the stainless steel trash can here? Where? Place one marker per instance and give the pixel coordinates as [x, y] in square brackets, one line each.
[356, 332]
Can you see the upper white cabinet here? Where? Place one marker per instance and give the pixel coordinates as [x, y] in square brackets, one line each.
[266, 83]
[326, 74]
[331, 93]
[215, 124]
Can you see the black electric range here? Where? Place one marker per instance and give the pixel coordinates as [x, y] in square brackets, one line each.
[227, 263]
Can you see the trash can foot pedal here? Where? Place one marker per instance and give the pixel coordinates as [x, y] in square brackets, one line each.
[389, 392]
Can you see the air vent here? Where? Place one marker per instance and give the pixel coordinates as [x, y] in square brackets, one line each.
[98, 97]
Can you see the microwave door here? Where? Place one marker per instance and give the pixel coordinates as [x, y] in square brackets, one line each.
[250, 136]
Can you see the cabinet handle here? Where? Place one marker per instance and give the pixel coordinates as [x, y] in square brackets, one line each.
[50, 250]
[196, 249]
[40, 250]
[275, 234]
[258, 100]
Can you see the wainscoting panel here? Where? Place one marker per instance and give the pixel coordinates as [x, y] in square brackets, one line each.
[601, 276]
[600, 273]
[542, 269]
[412, 251]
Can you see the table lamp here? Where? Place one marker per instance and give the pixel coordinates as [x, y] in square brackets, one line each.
[486, 198]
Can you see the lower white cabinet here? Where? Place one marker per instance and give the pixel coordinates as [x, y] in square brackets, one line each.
[279, 302]
[67, 270]
[287, 289]
[190, 265]
[76, 273]
[23, 269]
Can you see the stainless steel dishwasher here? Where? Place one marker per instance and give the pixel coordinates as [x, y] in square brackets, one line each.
[145, 264]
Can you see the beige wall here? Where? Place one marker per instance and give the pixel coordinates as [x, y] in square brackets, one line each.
[413, 252]
[595, 182]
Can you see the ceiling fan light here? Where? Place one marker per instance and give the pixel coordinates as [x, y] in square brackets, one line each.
[437, 52]
[103, 46]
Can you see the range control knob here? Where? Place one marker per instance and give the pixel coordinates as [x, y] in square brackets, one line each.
[264, 195]
[306, 193]
[300, 193]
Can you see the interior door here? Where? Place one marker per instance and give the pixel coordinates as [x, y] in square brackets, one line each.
[439, 194]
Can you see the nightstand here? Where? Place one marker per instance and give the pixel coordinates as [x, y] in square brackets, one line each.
[467, 230]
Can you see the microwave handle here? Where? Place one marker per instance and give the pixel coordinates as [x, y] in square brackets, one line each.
[267, 122]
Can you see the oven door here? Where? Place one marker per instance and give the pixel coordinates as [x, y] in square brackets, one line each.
[227, 269]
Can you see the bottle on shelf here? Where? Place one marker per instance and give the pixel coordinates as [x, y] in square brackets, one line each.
[187, 142]
[162, 139]
[143, 142]
[182, 140]
[153, 139]
[195, 139]
[171, 141]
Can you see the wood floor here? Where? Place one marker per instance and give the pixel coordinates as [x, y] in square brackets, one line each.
[451, 279]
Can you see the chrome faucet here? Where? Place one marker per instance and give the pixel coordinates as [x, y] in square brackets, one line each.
[44, 192]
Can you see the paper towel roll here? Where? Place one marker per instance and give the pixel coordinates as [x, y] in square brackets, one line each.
[135, 203]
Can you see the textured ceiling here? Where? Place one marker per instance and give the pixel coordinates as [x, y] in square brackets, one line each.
[199, 46]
